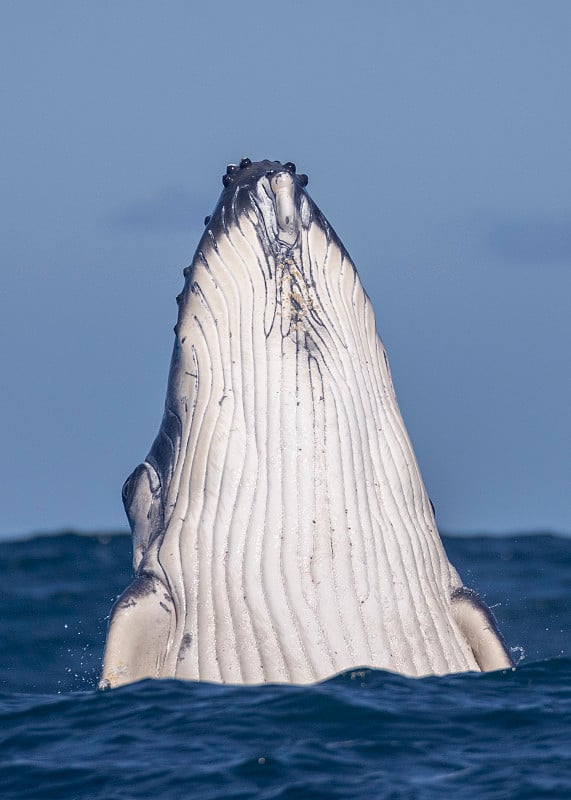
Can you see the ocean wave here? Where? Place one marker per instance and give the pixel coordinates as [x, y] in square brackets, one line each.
[364, 733]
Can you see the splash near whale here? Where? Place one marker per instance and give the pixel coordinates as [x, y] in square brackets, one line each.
[281, 528]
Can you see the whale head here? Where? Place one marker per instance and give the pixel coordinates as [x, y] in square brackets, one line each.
[281, 528]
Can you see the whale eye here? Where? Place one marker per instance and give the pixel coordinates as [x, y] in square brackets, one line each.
[303, 179]
[245, 162]
[290, 167]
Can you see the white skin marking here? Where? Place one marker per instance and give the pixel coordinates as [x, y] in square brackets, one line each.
[283, 188]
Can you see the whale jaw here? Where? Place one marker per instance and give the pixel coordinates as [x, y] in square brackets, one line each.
[282, 532]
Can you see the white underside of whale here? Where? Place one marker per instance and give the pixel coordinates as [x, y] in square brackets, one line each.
[298, 539]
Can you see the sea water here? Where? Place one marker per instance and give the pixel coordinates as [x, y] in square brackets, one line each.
[363, 734]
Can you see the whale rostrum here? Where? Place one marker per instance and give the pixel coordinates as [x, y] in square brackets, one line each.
[281, 528]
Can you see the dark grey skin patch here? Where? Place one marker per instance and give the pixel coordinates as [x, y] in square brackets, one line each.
[184, 646]
[143, 586]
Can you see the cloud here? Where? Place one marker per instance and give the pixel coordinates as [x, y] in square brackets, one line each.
[531, 240]
[171, 210]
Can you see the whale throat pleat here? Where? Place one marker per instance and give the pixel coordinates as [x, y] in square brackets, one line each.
[299, 548]
[281, 528]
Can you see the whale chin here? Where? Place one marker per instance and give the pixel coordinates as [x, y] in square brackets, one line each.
[281, 528]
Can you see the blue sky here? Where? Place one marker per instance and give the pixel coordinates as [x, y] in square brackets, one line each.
[437, 139]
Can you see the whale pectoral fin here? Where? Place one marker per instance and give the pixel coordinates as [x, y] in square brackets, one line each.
[139, 633]
[478, 625]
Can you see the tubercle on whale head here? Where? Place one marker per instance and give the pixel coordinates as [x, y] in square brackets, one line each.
[247, 169]
[270, 192]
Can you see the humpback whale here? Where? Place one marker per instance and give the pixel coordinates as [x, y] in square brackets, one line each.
[281, 528]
